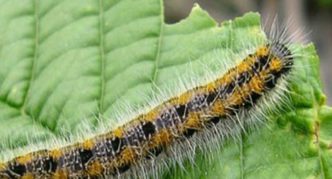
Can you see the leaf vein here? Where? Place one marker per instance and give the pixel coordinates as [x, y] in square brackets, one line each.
[102, 56]
[159, 43]
[34, 59]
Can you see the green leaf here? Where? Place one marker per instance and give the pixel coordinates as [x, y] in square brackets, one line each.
[65, 62]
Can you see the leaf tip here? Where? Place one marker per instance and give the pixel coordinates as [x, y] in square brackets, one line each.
[197, 11]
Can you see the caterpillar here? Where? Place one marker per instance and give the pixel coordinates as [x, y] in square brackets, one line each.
[210, 111]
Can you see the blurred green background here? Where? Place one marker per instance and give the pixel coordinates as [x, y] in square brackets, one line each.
[314, 16]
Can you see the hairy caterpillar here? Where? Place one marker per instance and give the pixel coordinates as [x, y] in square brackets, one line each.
[214, 109]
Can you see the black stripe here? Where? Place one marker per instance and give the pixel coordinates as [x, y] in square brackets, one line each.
[50, 165]
[148, 129]
[260, 63]
[154, 152]
[189, 132]
[211, 97]
[18, 169]
[214, 120]
[182, 111]
[123, 168]
[116, 144]
[228, 89]
[243, 78]
[255, 96]
[85, 155]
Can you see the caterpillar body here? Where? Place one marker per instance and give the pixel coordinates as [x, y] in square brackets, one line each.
[213, 109]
